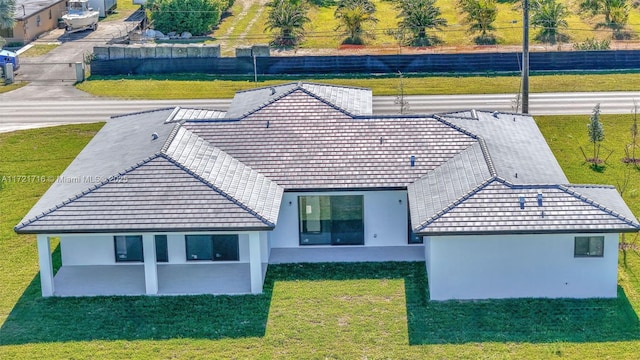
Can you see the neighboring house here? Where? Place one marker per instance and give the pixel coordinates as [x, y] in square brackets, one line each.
[33, 18]
[191, 201]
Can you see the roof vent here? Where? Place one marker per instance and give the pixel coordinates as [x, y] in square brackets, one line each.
[521, 199]
[540, 199]
[381, 139]
[413, 160]
[273, 90]
[154, 136]
[495, 114]
[268, 123]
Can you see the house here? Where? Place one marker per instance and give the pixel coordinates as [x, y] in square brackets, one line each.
[33, 18]
[192, 201]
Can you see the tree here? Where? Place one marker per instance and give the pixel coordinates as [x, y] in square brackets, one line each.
[630, 149]
[353, 17]
[195, 16]
[550, 16]
[616, 14]
[7, 20]
[418, 16]
[288, 18]
[480, 16]
[596, 133]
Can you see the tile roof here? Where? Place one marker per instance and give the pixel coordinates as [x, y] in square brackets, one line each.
[518, 149]
[247, 199]
[446, 184]
[155, 196]
[494, 207]
[303, 143]
[198, 169]
[352, 100]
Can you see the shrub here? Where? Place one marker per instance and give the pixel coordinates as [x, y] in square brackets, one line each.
[195, 16]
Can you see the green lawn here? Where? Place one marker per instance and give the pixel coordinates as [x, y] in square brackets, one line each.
[369, 310]
[198, 86]
[39, 50]
[7, 88]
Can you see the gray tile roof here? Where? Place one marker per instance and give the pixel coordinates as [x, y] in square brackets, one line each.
[155, 196]
[518, 149]
[181, 114]
[210, 170]
[247, 199]
[494, 207]
[303, 143]
[448, 183]
[355, 101]
[240, 183]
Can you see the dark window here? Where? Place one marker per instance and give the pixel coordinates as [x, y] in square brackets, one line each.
[589, 246]
[331, 220]
[162, 253]
[49, 14]
[38, 20]
[212, 247]
[128, 248]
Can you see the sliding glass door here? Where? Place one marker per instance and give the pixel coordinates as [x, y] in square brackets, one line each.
[331, 220]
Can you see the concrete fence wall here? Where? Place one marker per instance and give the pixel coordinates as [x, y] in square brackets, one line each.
[181, 58]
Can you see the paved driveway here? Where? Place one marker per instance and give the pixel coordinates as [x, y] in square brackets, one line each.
[57, 66]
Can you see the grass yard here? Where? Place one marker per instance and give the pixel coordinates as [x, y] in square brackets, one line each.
[39, 50]
[11, 87]
[197, 86]
[367, 310]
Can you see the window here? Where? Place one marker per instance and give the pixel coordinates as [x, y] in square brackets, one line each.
[128, 248]
[212, 247]
[38, 21]
[331, 220]
[162, 253]
[589, 246]
[49, 14]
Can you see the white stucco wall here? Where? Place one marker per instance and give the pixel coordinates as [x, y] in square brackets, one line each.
[385, 218]
[93, 249]
[514, 266]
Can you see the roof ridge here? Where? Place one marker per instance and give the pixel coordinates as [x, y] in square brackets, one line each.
[457, 202]
[487, 157]
[599, 206]
[265, 104]
[455, 127]
[217, 189]
[142, 112]
[86, 192]
[170, 138]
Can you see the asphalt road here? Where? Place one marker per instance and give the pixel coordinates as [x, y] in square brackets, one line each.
[56, 105]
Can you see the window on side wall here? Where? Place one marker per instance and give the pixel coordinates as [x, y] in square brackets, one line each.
[589, 246]
[128, 248]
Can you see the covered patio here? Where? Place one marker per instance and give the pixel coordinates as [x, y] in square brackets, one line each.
[173, 279]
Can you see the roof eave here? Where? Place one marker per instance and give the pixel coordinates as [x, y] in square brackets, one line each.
[26, 230]
[529, 232]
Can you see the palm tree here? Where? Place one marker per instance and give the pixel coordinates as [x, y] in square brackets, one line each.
[616, 14]
[549, 16]
[288, 17]
[480, 15]
[418, 16]
[353, 16]
[7, 10]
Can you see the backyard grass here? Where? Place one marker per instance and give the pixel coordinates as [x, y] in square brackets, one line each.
[367, 310]
[38, 50]
[198, 86]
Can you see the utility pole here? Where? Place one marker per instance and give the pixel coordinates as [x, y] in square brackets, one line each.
[525, 56]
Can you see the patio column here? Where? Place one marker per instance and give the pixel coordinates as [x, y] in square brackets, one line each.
[46, 266]
[150, 264]
[255, 263]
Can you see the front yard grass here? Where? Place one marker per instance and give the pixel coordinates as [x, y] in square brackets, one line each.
[198, 86]
[39, 50]
[367, 310]
[11, 87]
